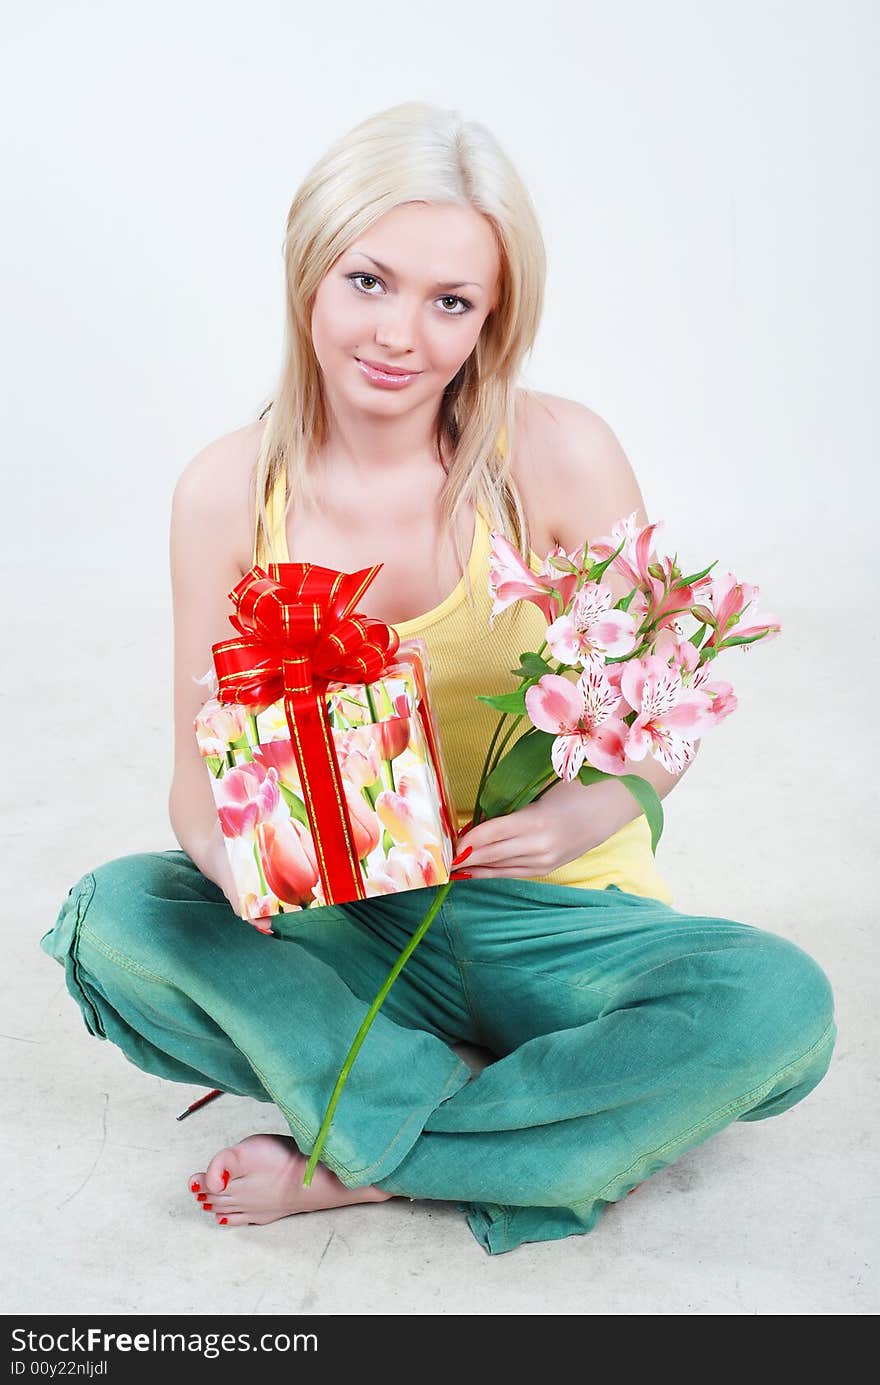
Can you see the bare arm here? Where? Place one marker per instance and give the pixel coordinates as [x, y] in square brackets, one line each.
[209, 506]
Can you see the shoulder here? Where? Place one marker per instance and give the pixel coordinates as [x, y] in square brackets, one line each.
[577, 472]
[216, 489]
[585, 472]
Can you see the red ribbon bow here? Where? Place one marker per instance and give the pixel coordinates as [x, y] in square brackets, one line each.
[299, 634]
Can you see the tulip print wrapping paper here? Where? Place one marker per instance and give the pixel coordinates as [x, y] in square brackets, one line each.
[397, 798]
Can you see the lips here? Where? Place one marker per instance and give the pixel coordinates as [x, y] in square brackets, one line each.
[387, 369]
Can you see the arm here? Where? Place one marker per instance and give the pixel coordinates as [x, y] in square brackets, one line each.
[605, 807]
[207, 512]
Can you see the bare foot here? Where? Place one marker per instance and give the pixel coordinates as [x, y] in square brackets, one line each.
[261, 1179]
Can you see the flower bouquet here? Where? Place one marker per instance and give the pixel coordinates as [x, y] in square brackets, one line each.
[642, 685]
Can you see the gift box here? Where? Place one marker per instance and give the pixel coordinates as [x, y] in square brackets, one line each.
[322, 748]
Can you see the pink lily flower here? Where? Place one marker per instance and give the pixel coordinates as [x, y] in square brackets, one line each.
[583, 717]
[591, 629]
[633, 560]
[727, 597]
[246, 796]
[633, 563]
[665, 710]
[510, 579]
[685, 656]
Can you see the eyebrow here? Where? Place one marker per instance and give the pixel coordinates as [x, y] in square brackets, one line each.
[462, 284]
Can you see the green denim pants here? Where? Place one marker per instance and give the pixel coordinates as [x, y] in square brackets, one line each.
[622, 1032]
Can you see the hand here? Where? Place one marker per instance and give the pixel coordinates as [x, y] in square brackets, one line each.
[536, 840]
[218, 867]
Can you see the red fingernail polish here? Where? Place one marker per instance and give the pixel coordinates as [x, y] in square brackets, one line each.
[461, 875]
[194, 1187]
[223, 1221]
[225, 1178]
[207, 1206]
[463, 855]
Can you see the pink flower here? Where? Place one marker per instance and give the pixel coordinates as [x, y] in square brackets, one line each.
[634, 562]
[392, 737]
[634, 558]
[246, 796]
[280, 756]
[255, 908]
[405, 870]
[510, 579]
[287, 857]
[399, 813]
[358, 756]
[583, 717]
[665, 711]
[591, 629]
[217, 725]
[364, 822]
[727, 598]
[685, 656]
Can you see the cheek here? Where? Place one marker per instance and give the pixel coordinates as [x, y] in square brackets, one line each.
[335, 318]
[451, 348]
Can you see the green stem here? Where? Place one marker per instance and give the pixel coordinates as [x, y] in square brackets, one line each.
[264, 889]
[368, 1020]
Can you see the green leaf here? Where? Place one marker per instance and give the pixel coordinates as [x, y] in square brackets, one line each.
[597, 571]
[295, 804]
[513, 703]
[730, 640]
[532, 666]
[526, 763]
[642, 791]
[695, 576]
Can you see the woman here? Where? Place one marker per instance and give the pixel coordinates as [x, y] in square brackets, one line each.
[624, 1032]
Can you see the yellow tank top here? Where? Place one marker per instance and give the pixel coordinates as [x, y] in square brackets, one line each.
[464, 662]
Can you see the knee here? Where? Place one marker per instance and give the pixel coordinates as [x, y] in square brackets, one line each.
[784, 1002]
[115, 899]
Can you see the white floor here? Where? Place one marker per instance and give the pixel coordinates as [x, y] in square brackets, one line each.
[772, 1217]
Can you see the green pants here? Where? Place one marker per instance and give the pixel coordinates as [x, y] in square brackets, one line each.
[623, 1032]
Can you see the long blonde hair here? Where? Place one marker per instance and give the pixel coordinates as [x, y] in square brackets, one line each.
[411, 152]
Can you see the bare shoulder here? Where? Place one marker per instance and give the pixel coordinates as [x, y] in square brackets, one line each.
[586, 478]
[574, 476]
[216, 490]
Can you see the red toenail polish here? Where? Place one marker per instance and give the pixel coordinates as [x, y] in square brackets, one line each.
[225, 1178]
[223, 1221]
[194, 1187]
[207, 1206]
[202, 1197]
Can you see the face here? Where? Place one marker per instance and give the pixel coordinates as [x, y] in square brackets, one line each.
[412, 292]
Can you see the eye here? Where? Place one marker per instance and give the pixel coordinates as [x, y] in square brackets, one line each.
[466, 305]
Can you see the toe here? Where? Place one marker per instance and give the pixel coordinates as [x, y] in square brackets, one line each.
[223, 1168]
[197, 1183]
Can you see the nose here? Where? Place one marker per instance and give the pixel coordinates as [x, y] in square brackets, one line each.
[395, 331]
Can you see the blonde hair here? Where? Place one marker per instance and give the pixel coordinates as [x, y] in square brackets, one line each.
[411, 152]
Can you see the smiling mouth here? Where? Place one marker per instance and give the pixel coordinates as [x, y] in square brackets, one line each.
[386, 369]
